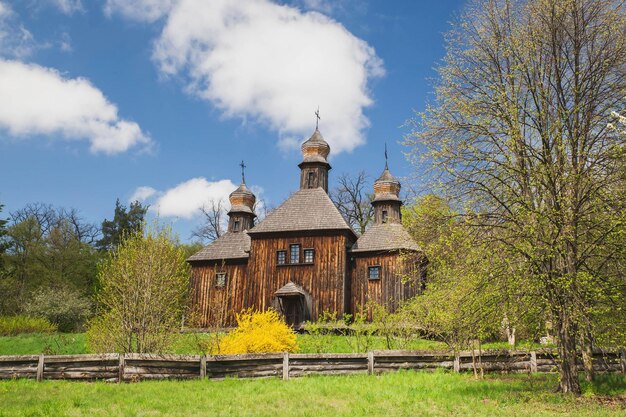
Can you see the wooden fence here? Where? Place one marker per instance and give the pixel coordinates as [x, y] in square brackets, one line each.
[136, 367]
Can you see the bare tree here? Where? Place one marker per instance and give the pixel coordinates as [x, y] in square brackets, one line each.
[47, 217]
[213, 222]
[353, 202]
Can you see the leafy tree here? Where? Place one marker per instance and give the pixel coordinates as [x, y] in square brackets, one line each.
[143, 293]
[353, 201]
[47, 247]
[4, 244]
[519, 135]
[125, 221]
[63, 306]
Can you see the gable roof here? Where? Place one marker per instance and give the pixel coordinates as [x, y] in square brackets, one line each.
[307, 209]
[228, 246]
[290, 289]
[385, 237]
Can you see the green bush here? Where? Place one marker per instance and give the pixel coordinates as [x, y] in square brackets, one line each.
[65, 307]
[13, 325]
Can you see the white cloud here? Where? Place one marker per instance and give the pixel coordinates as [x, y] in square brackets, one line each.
[65, 42]
[142, 194]
[5, 10]
[35, 100]
[187, 198]
[142, 10]
[68, 6]
[15, 39]
[268, 62]
[322, 6]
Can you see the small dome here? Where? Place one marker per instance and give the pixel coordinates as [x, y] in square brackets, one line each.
[242, 199]
[315, 149]
[386, 187]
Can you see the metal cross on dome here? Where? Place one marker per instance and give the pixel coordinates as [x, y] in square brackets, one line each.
[317, 114]
[243, 175]
[386, 166]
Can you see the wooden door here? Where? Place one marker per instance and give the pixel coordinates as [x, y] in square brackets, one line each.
[292, 310]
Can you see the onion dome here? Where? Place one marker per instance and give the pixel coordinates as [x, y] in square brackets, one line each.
[386, 187]
[315, 149]
[242, 199]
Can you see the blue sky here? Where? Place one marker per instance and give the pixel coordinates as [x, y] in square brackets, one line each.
[162, 99]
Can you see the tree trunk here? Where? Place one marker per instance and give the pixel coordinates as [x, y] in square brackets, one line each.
[587, 352]
[568, 382]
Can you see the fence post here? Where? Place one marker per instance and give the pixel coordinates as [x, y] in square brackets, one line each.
[120, 376]
[40, 368]
[370, 362]
[457, 362]
[623, 361]
[533, 361]
[202, 366]
[286, 365]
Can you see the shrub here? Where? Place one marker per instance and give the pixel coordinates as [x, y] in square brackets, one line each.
[258, 332]
[65, 307]
[143, 294]
[13, 325]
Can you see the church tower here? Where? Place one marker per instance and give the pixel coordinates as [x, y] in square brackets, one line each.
[241, 214]
[314, 166]
[386, 198]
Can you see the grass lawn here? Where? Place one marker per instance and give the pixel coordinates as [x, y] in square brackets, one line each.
[393, 394]
[197, 343]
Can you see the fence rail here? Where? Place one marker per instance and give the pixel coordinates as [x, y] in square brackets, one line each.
[136, 367]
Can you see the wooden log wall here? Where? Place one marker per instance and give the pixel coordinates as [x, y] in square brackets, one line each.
[401, 277]
[323, 279]
[212, 305]
[138, 367]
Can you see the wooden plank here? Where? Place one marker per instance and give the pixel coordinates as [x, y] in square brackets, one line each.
[370, 362]
[286, 366]
[457, 363]
[533, 361]
[247, 356]
[19, 358]
[81, 358]
[328, 356]
[120, 376]
[162, 357]
[203, 367]
[40, 368]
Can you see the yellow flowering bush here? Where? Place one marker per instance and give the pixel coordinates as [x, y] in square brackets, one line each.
[258, 332]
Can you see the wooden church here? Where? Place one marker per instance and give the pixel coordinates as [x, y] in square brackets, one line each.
[303, 258]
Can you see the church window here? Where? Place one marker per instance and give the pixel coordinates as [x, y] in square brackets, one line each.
[374, 272]
[220, 279]
[384, 216]
[308, 256]
[236, 226]
[311, 179]
[281, 257]
[295, 254]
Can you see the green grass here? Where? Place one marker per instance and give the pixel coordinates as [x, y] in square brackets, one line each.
[189, 343]
[198, 343]
[392, 394]
[48, 343]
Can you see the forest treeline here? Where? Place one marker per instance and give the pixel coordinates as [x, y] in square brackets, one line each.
[49, 259]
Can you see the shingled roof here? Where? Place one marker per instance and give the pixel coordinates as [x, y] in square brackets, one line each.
[227, 246]
[385, 237]
[307, 209]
